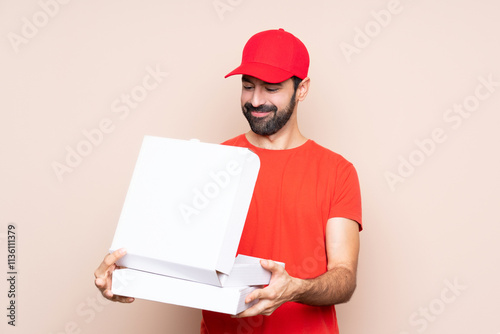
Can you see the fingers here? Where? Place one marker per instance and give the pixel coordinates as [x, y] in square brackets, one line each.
[126, 300]
[105, 287]
[268, 293]
[266, 264]
[272, 296]
[108, 262]
[122, 299]
[100, 283]
[116, 298]
[103, 276]
[264, 307]
[272, 266]
[254, 295]
[249, 312]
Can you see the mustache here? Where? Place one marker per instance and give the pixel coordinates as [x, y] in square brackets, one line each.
[262, 108]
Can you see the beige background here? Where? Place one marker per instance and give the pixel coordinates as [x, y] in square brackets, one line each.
[437, 228]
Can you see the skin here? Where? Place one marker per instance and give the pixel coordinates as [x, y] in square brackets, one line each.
[258, 92]
[342, 235]
[103, 276]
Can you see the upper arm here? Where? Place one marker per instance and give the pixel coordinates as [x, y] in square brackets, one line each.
[342, 243]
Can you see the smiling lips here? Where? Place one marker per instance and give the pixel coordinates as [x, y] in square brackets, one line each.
[260, 114]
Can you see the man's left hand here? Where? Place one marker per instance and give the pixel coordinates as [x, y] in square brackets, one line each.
[282, 288]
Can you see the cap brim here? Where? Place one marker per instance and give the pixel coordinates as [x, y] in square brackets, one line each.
[263, 72]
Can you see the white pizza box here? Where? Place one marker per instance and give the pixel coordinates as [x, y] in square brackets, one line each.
[185, 210]
[144, 285]
[246, 271]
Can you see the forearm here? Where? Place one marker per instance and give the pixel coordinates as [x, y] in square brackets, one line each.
[333, 287]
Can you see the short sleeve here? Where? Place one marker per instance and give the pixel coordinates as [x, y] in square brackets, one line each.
[346, 198]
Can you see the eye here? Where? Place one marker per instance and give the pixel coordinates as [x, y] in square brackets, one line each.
[271, 89]
[246, 87]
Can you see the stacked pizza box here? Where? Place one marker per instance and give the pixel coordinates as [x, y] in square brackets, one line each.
[181, 224]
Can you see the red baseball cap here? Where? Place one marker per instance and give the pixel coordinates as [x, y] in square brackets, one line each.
[274, 56]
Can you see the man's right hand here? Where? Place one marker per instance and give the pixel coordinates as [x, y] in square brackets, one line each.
[103, 276]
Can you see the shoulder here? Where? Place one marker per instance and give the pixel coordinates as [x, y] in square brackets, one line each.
[239, 140]
[327, 155]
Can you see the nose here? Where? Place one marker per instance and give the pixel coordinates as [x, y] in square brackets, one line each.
[257, 98]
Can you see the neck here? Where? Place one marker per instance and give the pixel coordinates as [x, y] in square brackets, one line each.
[286, 138]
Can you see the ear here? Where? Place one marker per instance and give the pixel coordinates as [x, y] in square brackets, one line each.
[303, 89]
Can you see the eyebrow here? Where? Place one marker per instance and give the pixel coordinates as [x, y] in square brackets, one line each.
[244, 78]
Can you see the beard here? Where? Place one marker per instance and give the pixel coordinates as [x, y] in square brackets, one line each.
[272, 123]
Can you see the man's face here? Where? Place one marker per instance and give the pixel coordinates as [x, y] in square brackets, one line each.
[267, 106]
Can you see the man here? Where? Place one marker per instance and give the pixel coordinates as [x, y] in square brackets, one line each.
[306, 206]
